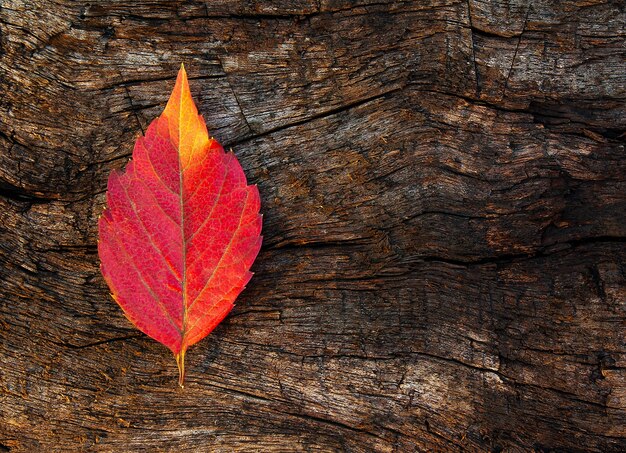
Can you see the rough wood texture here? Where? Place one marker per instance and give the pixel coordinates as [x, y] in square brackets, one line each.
[444, 189]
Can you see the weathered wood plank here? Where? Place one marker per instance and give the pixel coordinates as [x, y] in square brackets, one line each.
[444, 195]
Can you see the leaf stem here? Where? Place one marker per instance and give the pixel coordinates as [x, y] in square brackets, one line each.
[180, 360]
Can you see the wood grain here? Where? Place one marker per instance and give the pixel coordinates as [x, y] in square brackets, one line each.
[444, 199]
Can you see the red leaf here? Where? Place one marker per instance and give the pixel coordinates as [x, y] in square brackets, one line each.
[181, 230]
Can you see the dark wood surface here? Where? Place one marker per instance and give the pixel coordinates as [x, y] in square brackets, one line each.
[444, 193]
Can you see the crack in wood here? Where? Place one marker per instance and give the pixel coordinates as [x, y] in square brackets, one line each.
[473, 45]
[321, 115]
[100, 342]
[519, 41]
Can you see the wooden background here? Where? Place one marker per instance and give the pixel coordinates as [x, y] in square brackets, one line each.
[444, 193]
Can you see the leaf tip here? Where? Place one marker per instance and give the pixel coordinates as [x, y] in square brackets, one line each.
[182, 72]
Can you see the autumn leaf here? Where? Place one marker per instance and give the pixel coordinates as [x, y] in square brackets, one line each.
[181, 229]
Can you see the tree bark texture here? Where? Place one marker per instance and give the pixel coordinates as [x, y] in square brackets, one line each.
[444, 199]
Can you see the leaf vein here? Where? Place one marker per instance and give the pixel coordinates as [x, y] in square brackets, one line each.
[221, 259]
[218, 196]
[145, 284]
[154, 245]
[157, 174]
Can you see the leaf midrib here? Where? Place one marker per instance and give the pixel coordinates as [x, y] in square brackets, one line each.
[183, 331]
